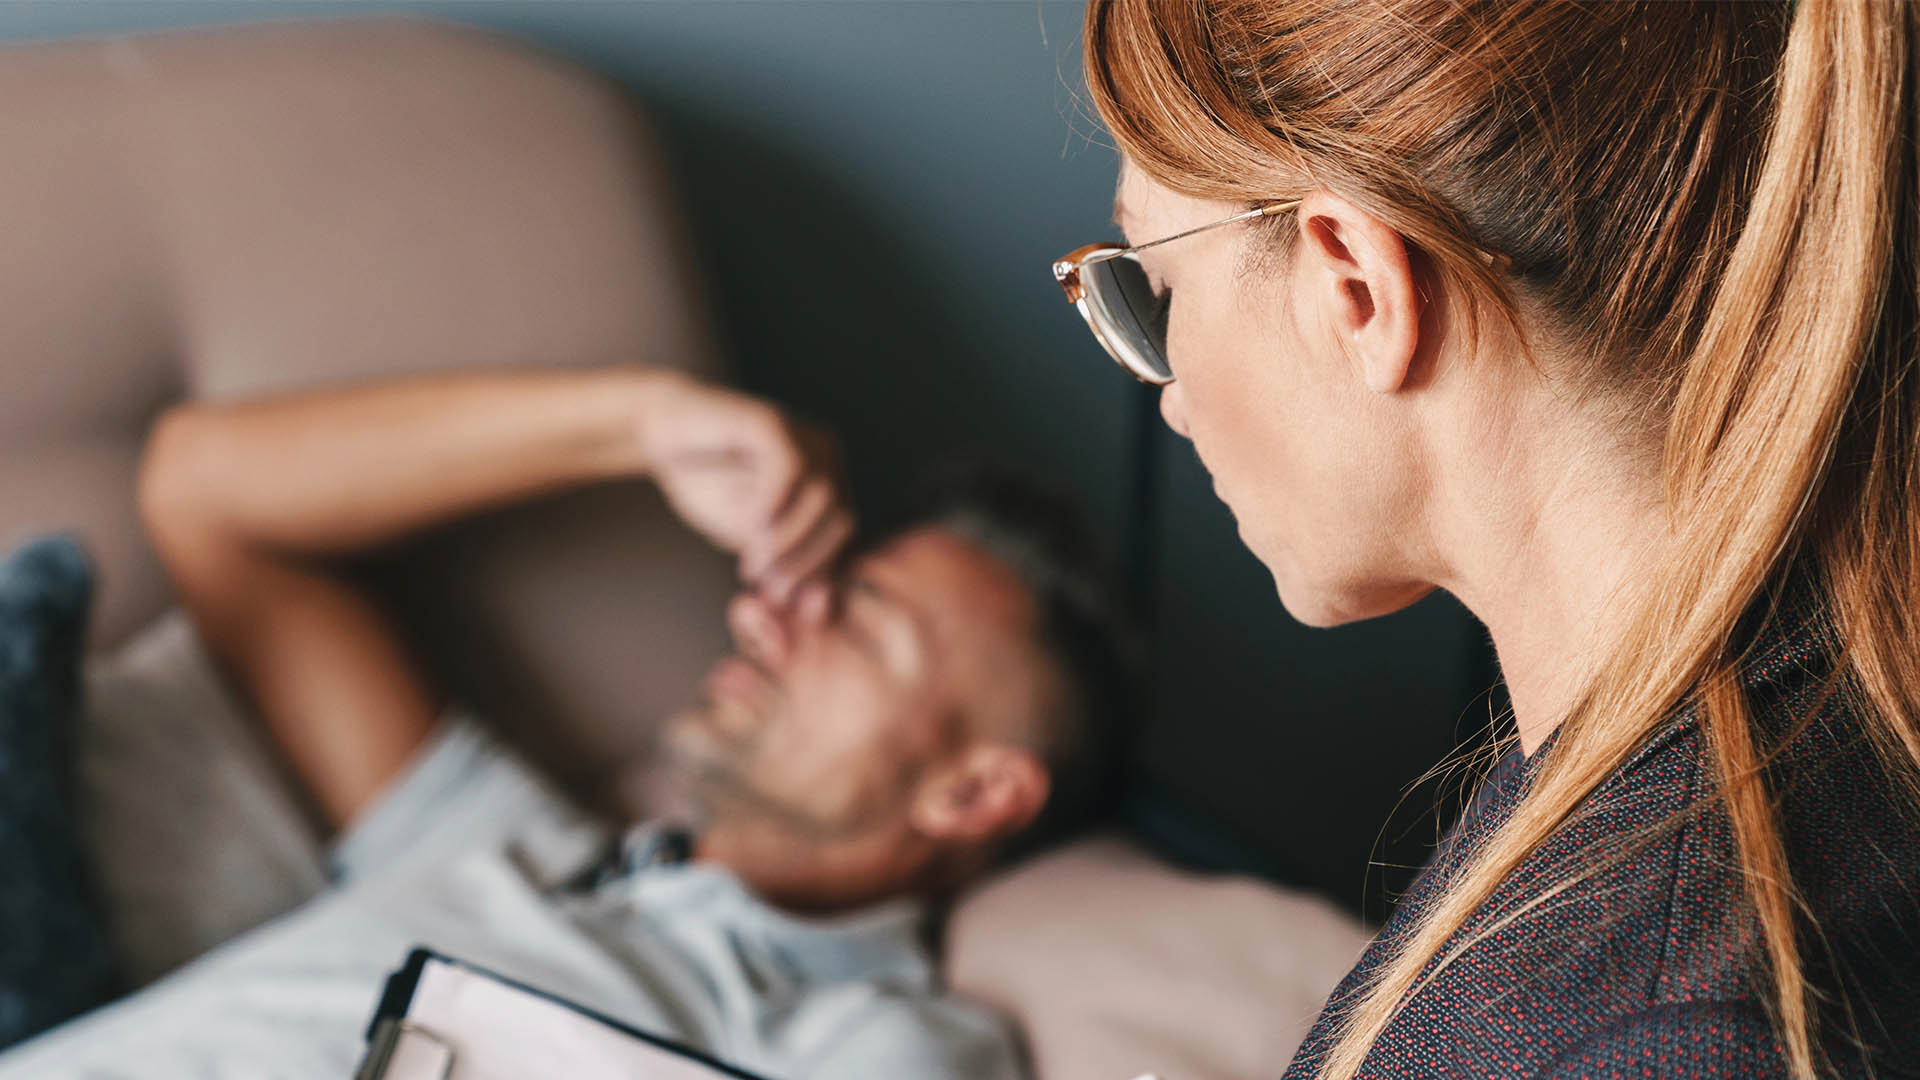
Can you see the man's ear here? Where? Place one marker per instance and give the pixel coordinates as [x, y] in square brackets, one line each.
[1361, 276]
[987, 791]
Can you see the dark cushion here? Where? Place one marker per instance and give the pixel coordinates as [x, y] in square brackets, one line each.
[54, 958]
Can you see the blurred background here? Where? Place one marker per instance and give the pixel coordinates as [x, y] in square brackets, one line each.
[875, 191]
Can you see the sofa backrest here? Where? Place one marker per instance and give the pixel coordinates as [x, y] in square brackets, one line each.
[236, 211]
[874, 192]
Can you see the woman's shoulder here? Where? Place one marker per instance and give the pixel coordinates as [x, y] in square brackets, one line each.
[1653, 948]
[1530, 980]
[1850, 829]
[1685, 1041]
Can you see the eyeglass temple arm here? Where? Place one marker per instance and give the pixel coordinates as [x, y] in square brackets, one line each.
[1259, 211]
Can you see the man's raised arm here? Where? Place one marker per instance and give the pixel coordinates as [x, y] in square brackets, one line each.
[248, 501]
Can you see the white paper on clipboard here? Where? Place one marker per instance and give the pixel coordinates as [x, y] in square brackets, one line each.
[498, 1031]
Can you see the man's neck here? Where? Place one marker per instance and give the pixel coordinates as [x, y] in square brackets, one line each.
[812, 875]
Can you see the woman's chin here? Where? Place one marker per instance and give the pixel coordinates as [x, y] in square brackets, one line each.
[1306, 604]
[1310, 610]
[1323, 607]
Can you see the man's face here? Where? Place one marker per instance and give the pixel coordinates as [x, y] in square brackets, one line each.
[831, 712]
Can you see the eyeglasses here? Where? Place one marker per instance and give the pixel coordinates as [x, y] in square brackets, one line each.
[1109, 287]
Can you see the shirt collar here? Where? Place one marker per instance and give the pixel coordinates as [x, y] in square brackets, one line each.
[882, 941]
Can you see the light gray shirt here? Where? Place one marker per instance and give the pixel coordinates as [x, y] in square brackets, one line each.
[471, 855]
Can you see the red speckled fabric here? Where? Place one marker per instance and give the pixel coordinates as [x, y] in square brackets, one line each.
[1646, 969]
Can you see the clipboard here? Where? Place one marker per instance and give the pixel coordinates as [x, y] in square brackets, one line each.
[403, 1044]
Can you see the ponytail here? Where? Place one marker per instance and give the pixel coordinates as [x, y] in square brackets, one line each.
[1803, 313]
[1804, 309]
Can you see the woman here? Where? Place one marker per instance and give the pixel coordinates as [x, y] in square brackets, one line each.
[1600, 317]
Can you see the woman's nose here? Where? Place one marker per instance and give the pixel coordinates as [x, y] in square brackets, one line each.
[1173, 409]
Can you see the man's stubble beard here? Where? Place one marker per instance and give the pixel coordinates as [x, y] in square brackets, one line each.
[710, 773]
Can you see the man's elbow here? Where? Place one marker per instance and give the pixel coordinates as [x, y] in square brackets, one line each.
[176, 488]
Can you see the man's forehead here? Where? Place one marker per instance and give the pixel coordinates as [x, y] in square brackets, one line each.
[947, 581]
[977, 611]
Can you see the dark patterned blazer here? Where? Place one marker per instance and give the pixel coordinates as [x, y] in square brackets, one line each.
[1648, 968]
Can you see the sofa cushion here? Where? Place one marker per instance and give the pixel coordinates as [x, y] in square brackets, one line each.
[53, 954]
[197, 834]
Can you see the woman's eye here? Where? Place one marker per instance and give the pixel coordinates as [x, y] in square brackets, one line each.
[1157, 315]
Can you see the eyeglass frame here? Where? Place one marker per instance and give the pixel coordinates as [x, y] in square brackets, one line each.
[1066, 271]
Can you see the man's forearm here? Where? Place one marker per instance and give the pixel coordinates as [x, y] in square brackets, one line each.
[244, 500]
[344, 469]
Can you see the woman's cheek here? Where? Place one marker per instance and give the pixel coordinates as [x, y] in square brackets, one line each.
[1232, 432]
[1196, 393]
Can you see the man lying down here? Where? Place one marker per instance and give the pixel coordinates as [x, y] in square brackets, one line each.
[889, 726]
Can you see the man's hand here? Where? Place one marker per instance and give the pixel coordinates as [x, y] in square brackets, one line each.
[747, 477]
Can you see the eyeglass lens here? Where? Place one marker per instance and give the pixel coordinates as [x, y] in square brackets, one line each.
[1135, 320]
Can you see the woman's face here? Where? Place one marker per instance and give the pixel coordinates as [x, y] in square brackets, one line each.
[1270, 360]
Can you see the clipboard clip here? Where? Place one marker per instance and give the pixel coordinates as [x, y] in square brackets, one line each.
[399, 1039]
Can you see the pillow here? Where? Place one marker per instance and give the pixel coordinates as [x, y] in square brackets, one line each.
[197, 834]
[1115, 964]
[53, 954]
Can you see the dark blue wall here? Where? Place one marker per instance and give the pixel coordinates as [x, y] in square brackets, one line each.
[877, 189]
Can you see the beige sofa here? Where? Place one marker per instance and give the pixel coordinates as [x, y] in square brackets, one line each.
[238, 211]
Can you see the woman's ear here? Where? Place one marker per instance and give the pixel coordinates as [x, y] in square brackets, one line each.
[988, 791]
[1360, 276]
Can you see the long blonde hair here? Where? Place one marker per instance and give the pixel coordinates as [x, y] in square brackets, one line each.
[1717, 204]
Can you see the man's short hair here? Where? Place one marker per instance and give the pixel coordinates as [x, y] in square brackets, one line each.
[1042, 537]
